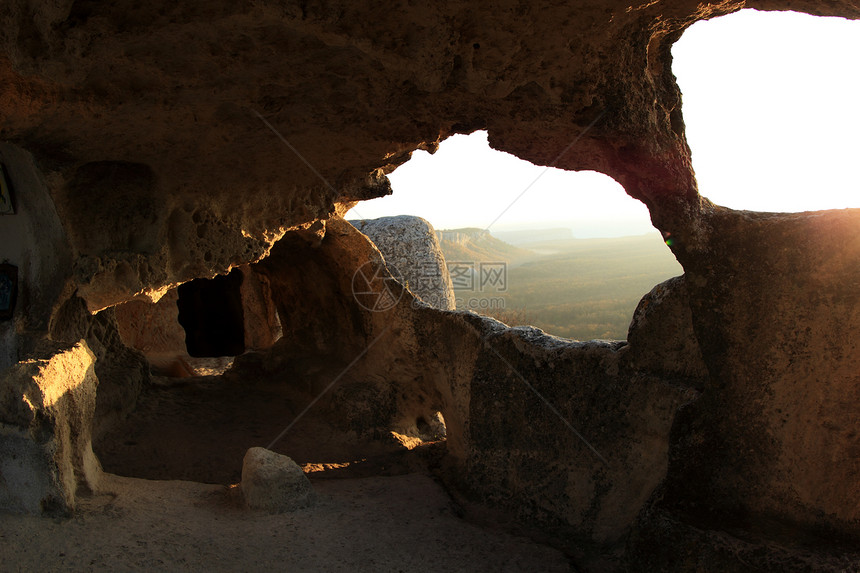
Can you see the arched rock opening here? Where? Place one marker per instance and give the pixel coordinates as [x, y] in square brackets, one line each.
[568, 252]
[768, 108]
[348, 414]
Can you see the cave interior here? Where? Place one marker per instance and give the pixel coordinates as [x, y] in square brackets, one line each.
[186, 278]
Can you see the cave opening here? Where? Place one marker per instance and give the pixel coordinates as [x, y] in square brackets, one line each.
[195, 423]
[568, 252]
[212, 315]
[699, 457]
[768, 104]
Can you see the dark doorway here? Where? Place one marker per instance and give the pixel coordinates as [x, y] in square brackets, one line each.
[210, 311]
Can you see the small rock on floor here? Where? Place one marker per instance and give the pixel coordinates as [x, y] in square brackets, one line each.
[273, 482]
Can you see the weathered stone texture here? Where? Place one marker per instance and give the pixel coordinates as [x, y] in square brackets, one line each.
[776, 311]
[46, 413]
[410, 246]
[496, 387]
[274, 483]
[661, 337]
[122, 371]
[153, 143]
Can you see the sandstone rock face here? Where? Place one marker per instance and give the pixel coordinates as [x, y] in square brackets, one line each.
[153, 143]
[774, 431]
[410, 246]
[661, 337]
[274, 483]
[122, 371]
[33, 240]
[46, 412]
[262, 323]
[505, 394]
[150, 327]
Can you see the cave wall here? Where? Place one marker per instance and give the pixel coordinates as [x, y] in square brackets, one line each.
[178, 152]
[33, 240]
[774, 436]
[766, 450]
[497, 388]
[46, 453]
[176, 142]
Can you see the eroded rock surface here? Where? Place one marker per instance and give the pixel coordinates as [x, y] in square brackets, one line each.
[412, 251]
[581, 456]
[661, 337]
[352, 88]
[122, 371]
[46, 414]
[149, 144]
[776, 312]
[274, 483]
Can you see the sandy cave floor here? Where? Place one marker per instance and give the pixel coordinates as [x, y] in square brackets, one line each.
[198, 429]
[167, 503]
[398, 523]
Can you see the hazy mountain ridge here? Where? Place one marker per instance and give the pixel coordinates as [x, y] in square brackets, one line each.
[523, 237]
[473, 245]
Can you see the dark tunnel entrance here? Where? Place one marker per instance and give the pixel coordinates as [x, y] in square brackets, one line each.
[211, 312]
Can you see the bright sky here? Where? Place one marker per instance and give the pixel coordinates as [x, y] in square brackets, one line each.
[770, 104]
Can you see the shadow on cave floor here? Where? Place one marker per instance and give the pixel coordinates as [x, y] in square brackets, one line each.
[198, 429]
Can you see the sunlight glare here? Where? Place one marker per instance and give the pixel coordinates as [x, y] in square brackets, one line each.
[466, 183]
[770, 105]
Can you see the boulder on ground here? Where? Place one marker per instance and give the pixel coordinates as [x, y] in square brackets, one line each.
[273, 482]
